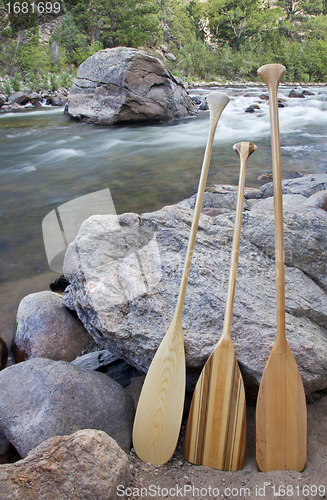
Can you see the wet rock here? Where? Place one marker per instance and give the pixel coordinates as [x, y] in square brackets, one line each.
[19, 98]
[11, 107]
[41, 398]
[296, 94]
[35, 99]
[3, 354]
[307, 92]
[3, 99]
[197, 100]
[87, 464]
[46, 328]
[132, 326]
[123, 85]
[203, 106]
[264, 97]
[250, 109]
[57, 100]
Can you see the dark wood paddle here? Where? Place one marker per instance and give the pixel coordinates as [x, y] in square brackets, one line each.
[160, 407]
[281, 415]
[216, 427]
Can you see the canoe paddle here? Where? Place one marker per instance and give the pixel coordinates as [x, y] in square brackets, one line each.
[216, 427]
[160, 408]
[281, 415]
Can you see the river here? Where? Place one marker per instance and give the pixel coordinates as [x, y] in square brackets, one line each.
[47, 160]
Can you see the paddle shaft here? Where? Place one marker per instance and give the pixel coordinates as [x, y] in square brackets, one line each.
[215, 112]
[244, 150]
[272, 76]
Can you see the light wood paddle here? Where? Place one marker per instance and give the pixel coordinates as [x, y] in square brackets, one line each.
[216, 427]
[281, 415]
[160, 407]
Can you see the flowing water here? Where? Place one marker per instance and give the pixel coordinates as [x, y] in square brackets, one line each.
[47, 160]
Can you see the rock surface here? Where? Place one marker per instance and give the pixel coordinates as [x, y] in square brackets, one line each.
[41, 398]
[82, 466]
[122, 85]
[19, 98]
[306, 186]
[126, 300]
[46, 328]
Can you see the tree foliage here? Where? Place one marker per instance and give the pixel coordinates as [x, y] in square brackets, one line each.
[216, 39]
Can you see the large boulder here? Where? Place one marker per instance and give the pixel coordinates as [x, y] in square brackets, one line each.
[123, 85]
[45, 328]
[125, 274]
[19, 98]
[41, 398]
[85, 465]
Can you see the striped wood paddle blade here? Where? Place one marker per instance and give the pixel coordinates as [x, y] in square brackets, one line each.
[216, 427]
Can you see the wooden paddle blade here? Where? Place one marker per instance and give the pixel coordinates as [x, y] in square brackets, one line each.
[160, 408]
[216, 427]
[281, 415]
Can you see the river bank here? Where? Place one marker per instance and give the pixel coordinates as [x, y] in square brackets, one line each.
[49, 159]
[20, 99]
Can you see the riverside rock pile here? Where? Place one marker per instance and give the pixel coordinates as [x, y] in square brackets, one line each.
[18, 100]
[124, 279]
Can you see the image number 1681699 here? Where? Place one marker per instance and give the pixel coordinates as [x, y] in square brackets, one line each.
[33, 7]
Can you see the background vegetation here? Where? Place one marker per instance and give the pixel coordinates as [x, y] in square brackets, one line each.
[211, 40]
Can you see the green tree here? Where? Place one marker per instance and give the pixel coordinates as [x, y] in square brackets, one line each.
[235, 21]
[20, 15]
[177, 23]
[296, 9]
[124, 22]
[68, 35]
[196, 14]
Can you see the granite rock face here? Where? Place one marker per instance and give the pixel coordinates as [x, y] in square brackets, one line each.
[125, 274]
[307, 185]
[85, 465]
[124, 85]
[46, 328]
[41, 398]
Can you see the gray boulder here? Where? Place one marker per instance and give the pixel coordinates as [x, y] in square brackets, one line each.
[123, 85]
[41, 398]
[35, 99]
[85, 465]
[20, 98]
[126, 295]
[3, 99]
[46, 328]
